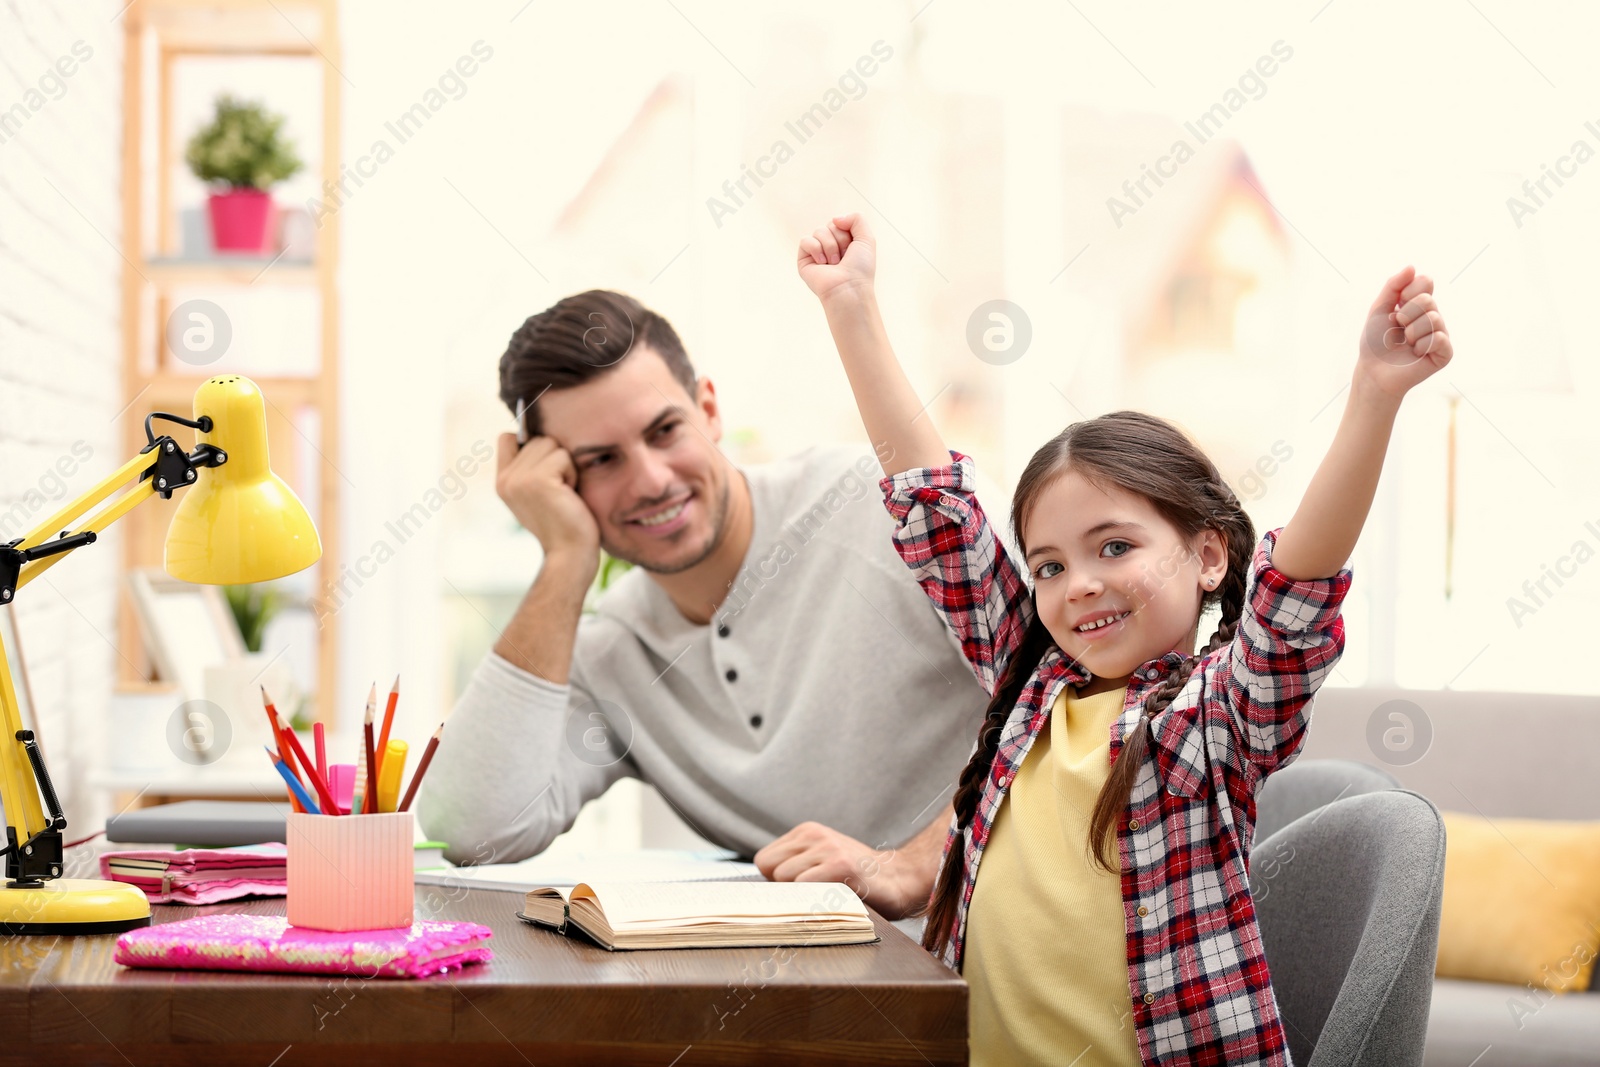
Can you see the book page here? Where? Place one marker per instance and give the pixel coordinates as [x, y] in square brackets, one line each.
[685, 903]
[636, 865]
[558, 892]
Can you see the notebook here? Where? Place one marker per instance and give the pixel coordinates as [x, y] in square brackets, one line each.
[268, 943]
[637, 915]
[201, 822]
[201, 875]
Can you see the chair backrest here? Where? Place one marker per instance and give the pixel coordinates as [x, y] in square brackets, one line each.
[1348, 900]
[1306, 785]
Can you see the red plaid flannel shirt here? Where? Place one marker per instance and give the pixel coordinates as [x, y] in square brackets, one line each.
[1197, 975]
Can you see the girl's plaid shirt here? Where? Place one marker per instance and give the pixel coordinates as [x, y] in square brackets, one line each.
[1197, 975]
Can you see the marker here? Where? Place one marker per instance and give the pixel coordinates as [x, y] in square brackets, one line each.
[342, 784]
[393, 766]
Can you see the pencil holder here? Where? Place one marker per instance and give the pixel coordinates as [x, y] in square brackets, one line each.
[350, 872]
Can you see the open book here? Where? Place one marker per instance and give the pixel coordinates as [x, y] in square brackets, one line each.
[630, 915]
[551, 868]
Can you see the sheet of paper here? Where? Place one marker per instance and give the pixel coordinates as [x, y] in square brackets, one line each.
[635, 865]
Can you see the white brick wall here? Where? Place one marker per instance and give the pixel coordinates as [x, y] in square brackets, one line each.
[60, 355]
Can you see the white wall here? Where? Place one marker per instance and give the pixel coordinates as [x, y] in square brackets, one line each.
[448, 245]
[60, 355]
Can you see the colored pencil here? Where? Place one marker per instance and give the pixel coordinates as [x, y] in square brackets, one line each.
[296, 790]
[322, 750]
[289, 760]
[358, 786]
[277, 738]
[370, 796]
[388, 721]
[324, 794]
[422, 768]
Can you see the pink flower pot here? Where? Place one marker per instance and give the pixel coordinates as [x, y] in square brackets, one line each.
[241, 220]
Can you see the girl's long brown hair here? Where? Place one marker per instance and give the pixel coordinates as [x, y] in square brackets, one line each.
[1140, 454]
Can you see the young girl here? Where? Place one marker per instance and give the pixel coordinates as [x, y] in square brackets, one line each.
[1110, 799]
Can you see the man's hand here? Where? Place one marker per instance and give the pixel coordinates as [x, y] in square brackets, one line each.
[895, 881]
[540, 485]
[839, 257]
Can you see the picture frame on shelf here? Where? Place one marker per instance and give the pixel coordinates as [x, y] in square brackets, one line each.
[187, 628]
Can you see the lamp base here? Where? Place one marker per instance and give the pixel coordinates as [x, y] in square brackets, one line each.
[74, 906]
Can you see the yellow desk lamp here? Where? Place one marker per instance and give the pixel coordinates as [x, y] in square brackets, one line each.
[238, 523]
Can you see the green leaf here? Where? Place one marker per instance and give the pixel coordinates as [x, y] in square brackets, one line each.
[253, 607]
[243, 147]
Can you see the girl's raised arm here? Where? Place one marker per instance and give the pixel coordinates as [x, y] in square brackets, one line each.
[1290, 633]
[838, 263]
[940, 531]
[1403, 343]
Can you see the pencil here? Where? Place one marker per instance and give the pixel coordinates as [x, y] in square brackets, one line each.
[388, 721]
[522, 422]
[324, 794]
[358, 784]
[296, 790]
[370, 796]
[288, 760]
[322, 751]
[422, 768]
[277, 738]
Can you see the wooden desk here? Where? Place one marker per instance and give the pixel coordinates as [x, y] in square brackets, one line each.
[544, 999]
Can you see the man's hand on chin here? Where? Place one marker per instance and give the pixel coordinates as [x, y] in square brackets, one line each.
[896, 882]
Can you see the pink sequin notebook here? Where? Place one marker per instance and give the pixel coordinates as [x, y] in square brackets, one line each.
[268, 943]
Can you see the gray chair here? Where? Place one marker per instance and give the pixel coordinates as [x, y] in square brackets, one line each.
[1348, 899]
[1306, 785]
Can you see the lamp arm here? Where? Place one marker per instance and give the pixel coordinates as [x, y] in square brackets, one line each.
[33, 837]
[75, 509]
[171, 469]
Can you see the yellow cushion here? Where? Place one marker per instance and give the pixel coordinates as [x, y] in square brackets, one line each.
[1521, 901]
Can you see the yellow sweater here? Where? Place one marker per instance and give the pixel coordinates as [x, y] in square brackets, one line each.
[1046, 955]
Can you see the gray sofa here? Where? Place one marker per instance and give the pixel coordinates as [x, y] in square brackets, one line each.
[1490, 754]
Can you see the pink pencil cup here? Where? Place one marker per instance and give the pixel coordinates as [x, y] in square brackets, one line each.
[350, 872]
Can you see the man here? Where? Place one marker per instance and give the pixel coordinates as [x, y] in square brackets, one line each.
[769, 664]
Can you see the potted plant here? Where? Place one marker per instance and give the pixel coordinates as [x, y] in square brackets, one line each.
[243, 150]
[253, 606]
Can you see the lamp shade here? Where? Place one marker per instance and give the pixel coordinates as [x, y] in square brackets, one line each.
[239, 522]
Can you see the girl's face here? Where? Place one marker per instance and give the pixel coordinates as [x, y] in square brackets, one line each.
[1106, 554]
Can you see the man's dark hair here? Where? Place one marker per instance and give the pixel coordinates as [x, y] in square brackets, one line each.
[579, 338]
